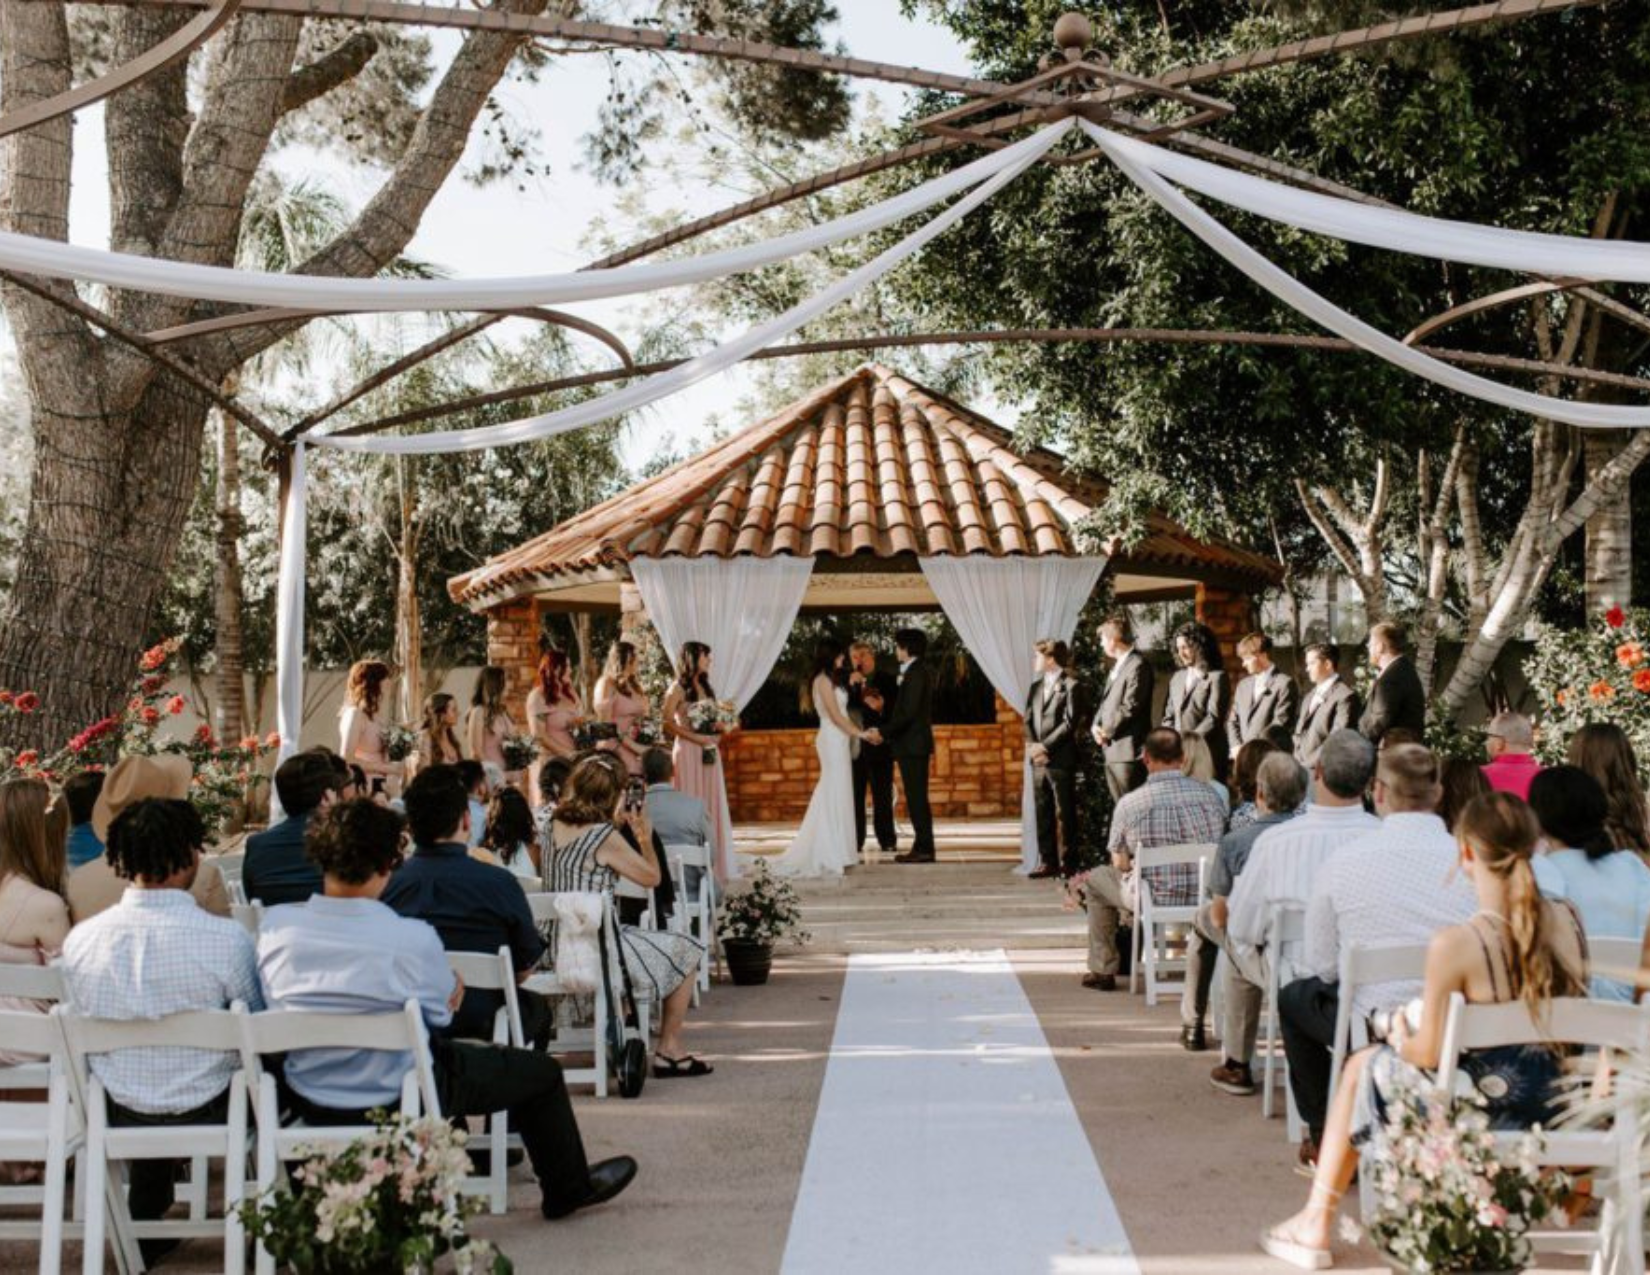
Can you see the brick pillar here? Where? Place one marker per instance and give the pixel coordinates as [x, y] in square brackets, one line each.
[1012, 736]
[1231, 616]
[513, 644]
[632, 613]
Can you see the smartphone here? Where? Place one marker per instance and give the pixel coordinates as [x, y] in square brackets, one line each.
[635, 795]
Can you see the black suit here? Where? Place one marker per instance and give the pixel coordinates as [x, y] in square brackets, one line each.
[1338, 711]
[1396, 702]
[1262, 703]
[1125, 719]
[910, 735]
[1200, 708]
[874, 763]
[1051, 720]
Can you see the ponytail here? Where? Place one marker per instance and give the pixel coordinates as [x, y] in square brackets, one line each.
[1532, 963]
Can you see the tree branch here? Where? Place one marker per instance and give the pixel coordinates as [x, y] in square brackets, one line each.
[327, 72]
[1604, 486]
[146, 125]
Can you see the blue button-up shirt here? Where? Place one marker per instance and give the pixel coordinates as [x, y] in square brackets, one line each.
[475, 907]
[83, 845]
[351, 956]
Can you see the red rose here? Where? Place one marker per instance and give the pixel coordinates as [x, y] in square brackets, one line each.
[273, 739]
[250, 743]
[6, 697]
[203, 734]
[27, 702]
[1641, 681]
[135, 704]
[1615, 617]
[150, 685]
[27, 757]
[150, 716]
[153, 658]
[175, 705]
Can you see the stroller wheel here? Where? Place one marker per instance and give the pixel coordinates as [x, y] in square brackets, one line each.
[630, 1068]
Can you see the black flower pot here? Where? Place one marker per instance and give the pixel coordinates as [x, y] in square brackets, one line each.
[749, 962]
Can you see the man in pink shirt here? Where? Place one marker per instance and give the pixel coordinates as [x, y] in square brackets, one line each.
[1508, 740]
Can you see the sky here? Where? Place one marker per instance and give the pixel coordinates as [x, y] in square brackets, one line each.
[498, 230]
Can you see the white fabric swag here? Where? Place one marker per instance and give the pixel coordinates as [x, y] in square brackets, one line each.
[289, 619]
[1321, 310]
[743, 609]
[1001, 607]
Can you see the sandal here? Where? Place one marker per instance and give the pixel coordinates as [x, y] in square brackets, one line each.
[1275, 1243]
[668, 1068]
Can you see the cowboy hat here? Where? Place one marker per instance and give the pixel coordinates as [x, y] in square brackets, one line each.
[136, 778]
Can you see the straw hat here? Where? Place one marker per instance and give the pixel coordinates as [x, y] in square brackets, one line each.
[136, 778]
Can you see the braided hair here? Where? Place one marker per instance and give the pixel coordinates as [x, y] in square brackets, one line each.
[154, 838]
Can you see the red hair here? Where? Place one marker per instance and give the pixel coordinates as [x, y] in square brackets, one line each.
[555, 679]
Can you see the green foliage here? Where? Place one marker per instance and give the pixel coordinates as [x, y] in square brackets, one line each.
[765, 911]
[1600, 673]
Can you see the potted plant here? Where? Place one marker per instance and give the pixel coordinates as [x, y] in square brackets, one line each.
[1449, 1197]
[753, 920]
[387, 1202]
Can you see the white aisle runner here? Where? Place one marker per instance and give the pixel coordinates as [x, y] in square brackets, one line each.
[945, 1140]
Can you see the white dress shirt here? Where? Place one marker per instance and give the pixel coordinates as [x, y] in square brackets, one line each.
[1401, 884]
[1320, 692]
[1283, 866]
[157, 953]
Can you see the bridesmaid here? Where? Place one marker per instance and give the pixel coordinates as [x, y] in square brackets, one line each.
[438, 737]
[360, 731]
[621, 700]
[693, 775]
[488, 724]
[552, 710]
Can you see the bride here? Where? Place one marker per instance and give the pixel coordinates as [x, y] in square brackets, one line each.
[827, 842]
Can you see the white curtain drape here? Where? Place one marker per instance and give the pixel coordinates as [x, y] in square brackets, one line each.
[742, 608]
[289, 616]
[1290, 290]
[1000, 607]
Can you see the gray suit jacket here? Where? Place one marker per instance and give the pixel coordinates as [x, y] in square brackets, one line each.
[677, 818]
[1255, 711]
[1339, 711]
[1125, 712]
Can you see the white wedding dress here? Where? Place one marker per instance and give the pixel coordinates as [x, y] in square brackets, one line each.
[825, 843]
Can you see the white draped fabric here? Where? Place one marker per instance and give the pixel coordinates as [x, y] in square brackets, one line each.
[1001, 607]
[1321, 310]
[742, 608]
[289, 618]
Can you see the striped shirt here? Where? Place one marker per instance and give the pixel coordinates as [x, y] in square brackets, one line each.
[1169, 809]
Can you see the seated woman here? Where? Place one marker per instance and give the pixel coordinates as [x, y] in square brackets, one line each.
[1608, 884]
[1517, 946]
[589, 852]
[511, 841]
[1245, 772]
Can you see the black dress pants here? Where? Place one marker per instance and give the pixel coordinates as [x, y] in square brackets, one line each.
[874, 772]
[153, 1183]
[1054, 794]
[913, 777]
[1308, 1007]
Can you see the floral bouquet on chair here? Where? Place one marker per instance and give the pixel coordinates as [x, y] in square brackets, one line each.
[399, 742]
[712, 717]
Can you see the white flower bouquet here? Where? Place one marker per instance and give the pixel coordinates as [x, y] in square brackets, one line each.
[520, 752]
[712, 717]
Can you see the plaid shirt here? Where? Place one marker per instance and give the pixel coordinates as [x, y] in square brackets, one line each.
[156, 953]
[1171, 809]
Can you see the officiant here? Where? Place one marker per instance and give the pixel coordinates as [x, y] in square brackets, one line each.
[870, 696]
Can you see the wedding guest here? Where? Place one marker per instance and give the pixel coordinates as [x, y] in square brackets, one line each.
[589, 853]
[871, 695]
[34, 916]
[1199, 694]
[488, 723]
[511, 840]
[154, 953]
[96, 886]
[1398, 884]
[1608, 885]
[1516, 947]
[1051, 717]
[694, 753]
[80, 791]
[1462, 780]
[344, 951]
[1245, 776]
[277, 868]
[474, 778]
[1200, 765]
[676, 818]
[553, 773]
[1603, 750]
[621, 700]
[360, 730]
[1266, 700]
[1169, 809]
[1330, 705]
[1397, 700]
[1509, 739]
[438, 734]
[1124, 717]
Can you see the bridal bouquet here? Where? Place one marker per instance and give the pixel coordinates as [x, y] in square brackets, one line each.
[712, 717]
[399, 742]
[520, 752]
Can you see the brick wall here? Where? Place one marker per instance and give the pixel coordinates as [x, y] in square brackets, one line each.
[1232, 617]
[513, 643]
[977, 771]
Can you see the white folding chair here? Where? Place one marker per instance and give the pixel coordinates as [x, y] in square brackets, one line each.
[494, 972]
[1613, 1154]
[110, 1146]
[36, 1132]
[36, 983]
[229, 868]
[567, 1035]
[276, 1032]
[1287, 924]
[1616, 959]
[1153, 920]
[1362, 966]
[695, 914]
[250, 916]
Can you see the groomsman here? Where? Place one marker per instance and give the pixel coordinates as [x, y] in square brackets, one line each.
[1397, 701]
[1331, 705]
[870, 699]
[910, 735]
[1051, 748]
[1267, 701]
[1124, 717]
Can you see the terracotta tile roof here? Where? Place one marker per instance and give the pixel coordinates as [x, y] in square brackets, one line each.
[869, 466]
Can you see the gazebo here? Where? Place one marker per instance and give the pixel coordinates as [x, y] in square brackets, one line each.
[870, 493]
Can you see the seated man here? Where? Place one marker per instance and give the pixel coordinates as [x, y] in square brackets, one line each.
[1510, 741]
[81, 792]
[343, 951]
[155, 953]
[474, 906]
[1280, 787]
[1169, 809]
[276, 870]
[677, 818]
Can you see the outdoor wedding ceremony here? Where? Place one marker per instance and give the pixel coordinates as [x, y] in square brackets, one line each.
[816, 637]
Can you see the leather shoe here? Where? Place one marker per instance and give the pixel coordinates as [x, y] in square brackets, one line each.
[1100, 982]
[607, 1179]
[911, 856]
[1043, 873]
[1193, 1039]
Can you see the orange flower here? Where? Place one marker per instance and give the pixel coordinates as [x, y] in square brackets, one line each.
[1601, 690]
[27, 757]
[175, 705]
[273, 739]
[1563, 697]
[150, 716]
[1641, 681]
[1630, 654]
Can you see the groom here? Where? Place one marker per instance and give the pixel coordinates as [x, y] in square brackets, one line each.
[909, 731]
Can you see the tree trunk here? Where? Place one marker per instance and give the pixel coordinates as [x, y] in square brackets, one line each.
[231, 714]
[1609, 553]
[409, 638]
[589, 672]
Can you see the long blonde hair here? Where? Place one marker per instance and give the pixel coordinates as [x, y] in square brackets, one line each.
[620, 657]
[1199, 762]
